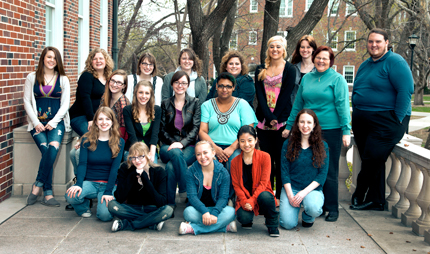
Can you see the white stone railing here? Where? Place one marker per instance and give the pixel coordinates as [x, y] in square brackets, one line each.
[408, 183]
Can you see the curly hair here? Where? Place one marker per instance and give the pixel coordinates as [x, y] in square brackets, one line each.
[108, 95]
[150, 111]
[197, 66]
[151, 59]
[89, 63]
[315, 141]
[283, 42]
[40, 72]
[296, 58]
[138, 149]
[229, 55]
[92, 135]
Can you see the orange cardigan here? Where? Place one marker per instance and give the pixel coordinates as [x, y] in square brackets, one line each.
[261, 168]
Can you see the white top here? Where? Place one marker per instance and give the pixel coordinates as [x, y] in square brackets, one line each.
[157, 92]
[31, 108]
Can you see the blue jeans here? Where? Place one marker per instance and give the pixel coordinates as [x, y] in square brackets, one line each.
[74, 158]
[195, 218]
[177, 162]
[137, 216]
[266, 206]
[49, 155]
[79, 125]
[91, 190]
[312, 204]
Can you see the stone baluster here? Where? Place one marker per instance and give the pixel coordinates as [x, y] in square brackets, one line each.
[392, 179]
[356, 168]
[423, 222]
[401, 186]
[411, 194]
[343, 175]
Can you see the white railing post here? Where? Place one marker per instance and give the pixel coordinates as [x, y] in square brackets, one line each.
[411, 194]
[392, 179]
[356, 168]
[401, 186]
[423, 222]
[343, 175]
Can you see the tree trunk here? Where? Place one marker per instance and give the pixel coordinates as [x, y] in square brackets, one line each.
[127, 30]
[427, 145]
[271, 21]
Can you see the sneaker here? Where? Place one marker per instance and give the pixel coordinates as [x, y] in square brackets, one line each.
[273, 231]
[50, 202]
[307, 224]
[232, 227]
[159, 226]
[117, 225]
[185, 228]
[247, 226]
[87, 214]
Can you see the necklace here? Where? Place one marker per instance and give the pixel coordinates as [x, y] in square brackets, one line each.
[46, 82]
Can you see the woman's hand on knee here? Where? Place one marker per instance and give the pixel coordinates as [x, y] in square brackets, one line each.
[48, 127]
[71, 192]
[248, 207]
[285, 133]
[206, 219]
[106, 198]
[39, 128]
[175, 145]
[214, 219]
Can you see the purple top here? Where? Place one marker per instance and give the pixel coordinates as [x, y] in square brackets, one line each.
[179, 121]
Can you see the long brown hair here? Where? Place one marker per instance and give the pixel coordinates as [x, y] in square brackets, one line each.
[229, 55]
[267, 62]
[139, 149]
[40, 72]
[296, 54]
[89, 63]
[150, 112]
[92, 135]
[197, 65]
[151, 59]
[315, 141]
[108, 95]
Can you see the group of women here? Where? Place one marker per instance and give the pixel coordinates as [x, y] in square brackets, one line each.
[208, 141]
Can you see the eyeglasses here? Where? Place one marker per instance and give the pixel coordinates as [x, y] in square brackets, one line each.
[323, 58]
[229, 87]
[137, 158]
[115, 83]
[177, 83]
[146, 64]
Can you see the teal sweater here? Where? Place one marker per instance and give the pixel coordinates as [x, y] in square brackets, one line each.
[327, 95]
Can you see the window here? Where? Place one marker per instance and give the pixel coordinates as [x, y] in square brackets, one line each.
[350, 9]
[286, 9]
[233, 41]
[350, 40]
[348, 74]
[333, 44]
[334, 67]
[253, 6]
[54, 22]
[104, 24]
[83, 33]
[333, 7]
[308, 4]
[252, 38]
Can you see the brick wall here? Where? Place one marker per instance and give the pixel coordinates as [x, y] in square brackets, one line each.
[94, 24]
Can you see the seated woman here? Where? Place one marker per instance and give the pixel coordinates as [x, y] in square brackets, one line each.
[142, 119]
[303, 172]
[141, 193]
[250, 174]
[99, 160]
[222, 118]
[180, 122]
[208, 184]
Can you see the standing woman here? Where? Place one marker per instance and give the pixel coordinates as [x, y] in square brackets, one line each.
[115, 99]
[180, 122]
[326, 93]
[274, 83]
[142, 118]
[302, 60]
[190, 63]
[233, 62]
[99, 160]
[250, 174]
[146, 70]
[208, 184]
[304, 170]
[46, 102]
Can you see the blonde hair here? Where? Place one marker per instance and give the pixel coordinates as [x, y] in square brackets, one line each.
[268, 60]
[150, 111]
[138, 149]
[205, 142]
[89, 63]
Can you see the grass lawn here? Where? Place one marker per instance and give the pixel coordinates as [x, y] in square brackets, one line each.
[422, 134]
[426, 97]
[425, 108]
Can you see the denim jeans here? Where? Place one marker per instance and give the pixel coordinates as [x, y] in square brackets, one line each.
[79, 125]
[137, 216]
[177, 162]
[49, 155]
[74, 158]
[195, 218]
[312, 203]
[91, 190]
[266, 207]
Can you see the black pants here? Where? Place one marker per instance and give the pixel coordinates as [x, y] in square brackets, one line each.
[271, 142]
[333, 138]
[266, 207]
[375, 133]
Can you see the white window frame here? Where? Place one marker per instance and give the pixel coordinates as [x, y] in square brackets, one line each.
[104, 24]
[287, 7]
[346, 40]
[255, 5]
[334, 67]
[330, 3]
[56, 10]
[348, 6]
[353, 74]
[256, 38]
[83, 34]
[335, 39]
[235, 36]
[308, 4]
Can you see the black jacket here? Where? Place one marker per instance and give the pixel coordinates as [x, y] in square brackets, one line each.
[152, 192]
[190, 115]
[283, 104]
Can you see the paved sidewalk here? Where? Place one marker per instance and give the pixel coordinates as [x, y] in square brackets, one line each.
[421, 123]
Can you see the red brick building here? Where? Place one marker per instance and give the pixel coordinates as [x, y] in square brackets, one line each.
[75, 27]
